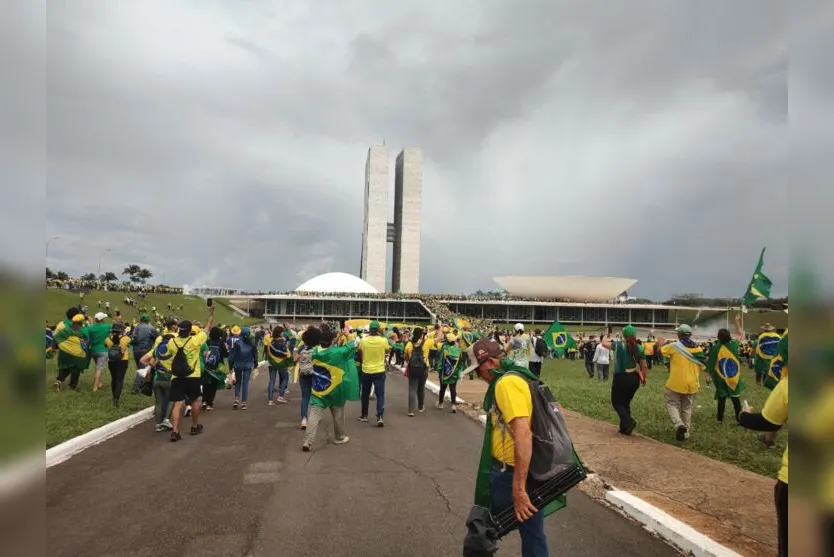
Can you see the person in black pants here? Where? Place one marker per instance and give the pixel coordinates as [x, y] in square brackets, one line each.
[117, 361]
[590, 348]
[629, 374]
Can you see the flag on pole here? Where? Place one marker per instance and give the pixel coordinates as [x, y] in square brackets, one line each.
[759, 287]
[556, 338]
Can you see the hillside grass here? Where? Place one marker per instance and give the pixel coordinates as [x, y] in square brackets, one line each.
[727, 441]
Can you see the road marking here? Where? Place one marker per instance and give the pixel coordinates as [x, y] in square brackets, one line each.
[268, 466]
[261, 478]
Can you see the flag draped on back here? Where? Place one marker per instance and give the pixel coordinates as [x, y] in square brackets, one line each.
[335, 378]
[727, 365]
[760, 284]
[556, 338]
[778, 364]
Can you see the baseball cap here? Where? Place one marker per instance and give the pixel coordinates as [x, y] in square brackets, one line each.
[185, 328]
[144, 317]
[629, 331]
[78, 318]
[100, 316]
[684, 329]
[245, 332]
[374, 326]
[482, 351]
[519, 326]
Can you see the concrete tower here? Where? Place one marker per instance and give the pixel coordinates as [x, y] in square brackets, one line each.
[408, 209]
[374, 233]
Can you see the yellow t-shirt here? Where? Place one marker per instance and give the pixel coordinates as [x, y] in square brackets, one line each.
[192, 347]
[124, 342]
[373, 348]
[683, 373]
[513, 400]
[776, 412]
[648, 348]
[409, 348]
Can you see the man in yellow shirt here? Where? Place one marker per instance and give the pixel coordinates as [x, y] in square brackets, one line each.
[374, 349]
[773, 416]
[686, 362]
[512, 442]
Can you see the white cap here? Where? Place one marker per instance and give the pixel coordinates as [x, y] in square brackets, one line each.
[519, 326]
[100, 316]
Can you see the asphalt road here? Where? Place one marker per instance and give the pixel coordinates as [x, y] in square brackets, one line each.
[244, 488]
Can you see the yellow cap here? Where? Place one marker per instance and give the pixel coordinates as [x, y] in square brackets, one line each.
[235, 330]
[78, 318]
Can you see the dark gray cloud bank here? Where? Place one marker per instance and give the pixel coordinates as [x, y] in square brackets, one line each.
[224, 142]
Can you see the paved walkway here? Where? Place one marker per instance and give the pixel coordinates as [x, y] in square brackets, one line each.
[730, 505]
[244, 488]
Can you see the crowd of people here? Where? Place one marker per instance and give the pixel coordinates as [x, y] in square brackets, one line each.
[125, 286]
[183, 365]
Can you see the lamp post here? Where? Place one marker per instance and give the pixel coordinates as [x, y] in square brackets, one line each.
[100, 257]
[49, 242]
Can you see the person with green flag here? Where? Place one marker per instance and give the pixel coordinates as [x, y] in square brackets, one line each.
[73, 345]
[507, 451]
[335, 381]
[556, 338]
[760, 285]
[449, 366]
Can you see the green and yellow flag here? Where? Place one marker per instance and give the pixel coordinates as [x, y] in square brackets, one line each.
[760, 284]
[335, 377]
[557, 338]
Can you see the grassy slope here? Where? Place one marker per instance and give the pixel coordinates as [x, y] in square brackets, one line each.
[727, 442]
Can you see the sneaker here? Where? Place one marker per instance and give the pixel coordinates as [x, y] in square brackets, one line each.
[303, 423]
[439, 406]
[203, 406]
[209, 407]
[243, 406]
[175, 436]
[454, 409]
[306, 447]
[411, 414]
[115, 403]
[282, 400]
[680, 433]
[270, 403]
[421, 410]
[363, 419]
[166, 423]
[341, 441]
[380, 422]
[235, 404]
[159, 427]
[196, 430]
[630, 429]
[186, 412]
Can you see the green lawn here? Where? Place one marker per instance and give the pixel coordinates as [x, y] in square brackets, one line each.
[727, 442]
[71, 413]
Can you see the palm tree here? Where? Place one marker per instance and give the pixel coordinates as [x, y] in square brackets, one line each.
[143, 275]
[49, 274]
[108, 277]
[89, 277]
[61, 275]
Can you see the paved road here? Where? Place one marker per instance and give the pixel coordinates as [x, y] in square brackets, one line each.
[244, 488]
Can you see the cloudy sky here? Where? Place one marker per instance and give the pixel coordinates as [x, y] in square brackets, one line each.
[224, 142]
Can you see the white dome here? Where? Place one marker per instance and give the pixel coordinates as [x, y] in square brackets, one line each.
[337, 282]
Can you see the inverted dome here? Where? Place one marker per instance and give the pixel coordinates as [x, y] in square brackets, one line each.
[582, 289]
[343, 283]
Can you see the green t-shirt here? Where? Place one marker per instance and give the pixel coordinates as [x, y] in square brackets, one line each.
[622, 358]
[98, 333]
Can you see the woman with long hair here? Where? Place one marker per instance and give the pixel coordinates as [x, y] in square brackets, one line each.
[117, 360]
[629, 374]
[724, 368]
[279, 356]
[214, 357]
[302, 355]
[417, 371]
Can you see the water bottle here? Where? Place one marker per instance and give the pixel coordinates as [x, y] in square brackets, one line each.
[745, 406]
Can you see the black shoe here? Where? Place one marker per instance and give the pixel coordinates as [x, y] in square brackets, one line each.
[630, 429]
[197, 430]
[680, 433]
[175, 436]
[115, 403]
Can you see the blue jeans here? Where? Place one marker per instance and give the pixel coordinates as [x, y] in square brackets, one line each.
[242, 376]
[377, 381]
[533, 540]
[306, 384]
[282, 374]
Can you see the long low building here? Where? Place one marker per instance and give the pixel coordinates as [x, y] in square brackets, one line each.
[297, 307]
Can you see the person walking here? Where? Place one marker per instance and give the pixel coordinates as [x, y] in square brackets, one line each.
[159, 358]
[724, 367]
[279, 356]
[537, 354]
[601, 358]
[143, 337]
[518, 348]
[117, 360]
[417, 371]
[589, 352]
[214, 358]
[629, 373]
[374, 349]
[303, 356]
[686, 362]
[449, 371]
[99, 332]
[243, 358]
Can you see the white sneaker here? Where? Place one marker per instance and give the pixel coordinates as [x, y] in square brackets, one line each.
[270, 403]
[341, 441]
[166, 423]
[303, 423]
[439, 406]
[282, 400]
[411, 414]
[454, 409]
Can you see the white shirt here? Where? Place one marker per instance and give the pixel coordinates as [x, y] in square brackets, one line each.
[602, 355]
[533, 356]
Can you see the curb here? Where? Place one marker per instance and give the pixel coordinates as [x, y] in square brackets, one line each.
[660, 523]
[667, 527]
[435, 388]
[70, 448]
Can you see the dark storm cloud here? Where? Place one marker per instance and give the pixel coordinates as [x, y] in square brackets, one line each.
[227, 140]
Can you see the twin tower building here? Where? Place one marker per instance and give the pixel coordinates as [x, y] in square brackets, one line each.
[404, 232]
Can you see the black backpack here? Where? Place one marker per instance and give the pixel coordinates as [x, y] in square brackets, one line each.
[179, 364]
[541, 348]
[552, 445]
[417, 362]
[114, 353]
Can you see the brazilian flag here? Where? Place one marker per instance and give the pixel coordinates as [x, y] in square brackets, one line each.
[556, 338]
[278, 352]
[449, 363]
[778, 365]
[335, 378]
[728, 367]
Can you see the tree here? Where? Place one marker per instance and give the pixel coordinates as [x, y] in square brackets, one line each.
[108, 277]
[61, 275]
[49, 274]
[137, 274]
[89, 277]
[144, 275]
